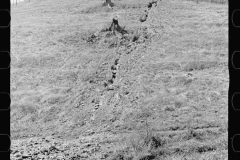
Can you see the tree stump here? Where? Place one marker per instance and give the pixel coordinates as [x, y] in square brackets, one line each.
[116, 27]
[151, 3]
[108, 3]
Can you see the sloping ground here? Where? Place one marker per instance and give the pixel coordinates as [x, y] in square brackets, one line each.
[159, 91]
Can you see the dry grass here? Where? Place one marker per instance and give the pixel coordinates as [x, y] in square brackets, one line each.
[167, 71]
[212, 1]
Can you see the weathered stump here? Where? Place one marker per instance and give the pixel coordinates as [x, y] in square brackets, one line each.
[116, 27]
[108, 3]
[151, 3]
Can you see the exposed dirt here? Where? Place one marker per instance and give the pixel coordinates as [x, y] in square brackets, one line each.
[156, 89]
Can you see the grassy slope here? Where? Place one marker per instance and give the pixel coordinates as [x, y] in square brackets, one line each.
[52, 66]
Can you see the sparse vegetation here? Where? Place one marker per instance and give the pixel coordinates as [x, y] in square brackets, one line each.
[152, 90]
[212, 1]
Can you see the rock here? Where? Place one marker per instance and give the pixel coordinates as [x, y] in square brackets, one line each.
[60, 157]
[18, 155]
[14, 152]
[41, 156]
[53, 148]
[26, 155]
[143, 17]
[84, 155]
[147, 157]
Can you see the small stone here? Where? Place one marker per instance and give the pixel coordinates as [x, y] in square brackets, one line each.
[14, 152]
[25, 155]
[18, 155]
[41, 156]
[84, 155]
[53, 148]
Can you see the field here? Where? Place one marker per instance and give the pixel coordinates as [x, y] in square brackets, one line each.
[160, 91]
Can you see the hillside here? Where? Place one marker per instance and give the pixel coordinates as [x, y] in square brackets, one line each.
[160, 91]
